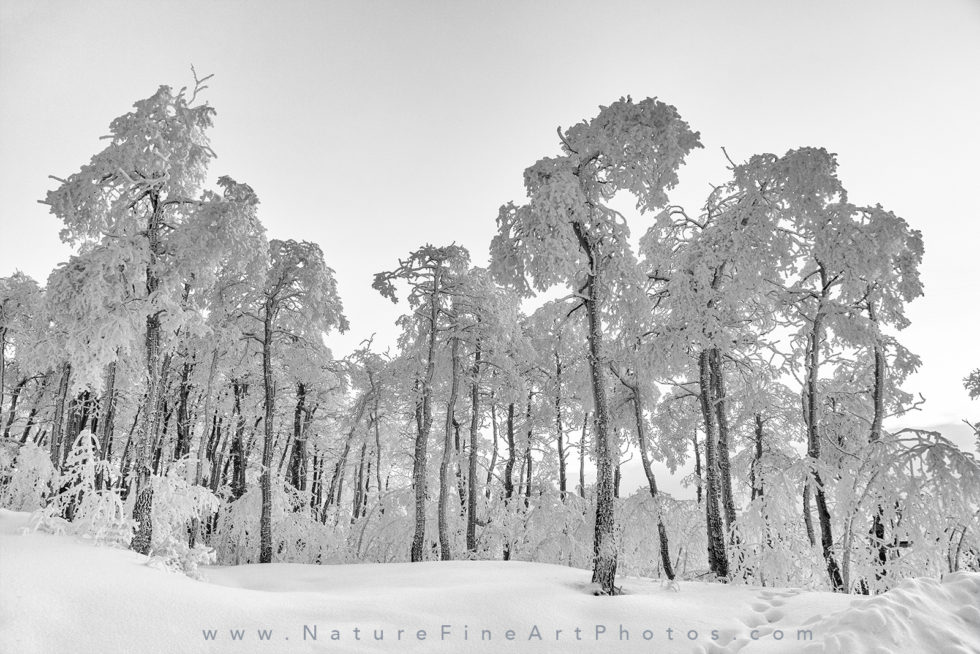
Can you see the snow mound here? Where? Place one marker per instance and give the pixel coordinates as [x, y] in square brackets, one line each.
[920, 615]
[61, 594]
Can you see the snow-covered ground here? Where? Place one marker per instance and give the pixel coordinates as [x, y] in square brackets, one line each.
[59, 594]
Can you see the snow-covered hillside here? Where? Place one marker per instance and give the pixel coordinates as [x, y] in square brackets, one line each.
[60, 594]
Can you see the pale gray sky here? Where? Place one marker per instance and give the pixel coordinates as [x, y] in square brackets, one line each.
[374, 127]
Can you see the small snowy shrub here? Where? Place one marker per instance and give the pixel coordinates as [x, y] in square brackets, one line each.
[78, 507]
[176, 505]
[28, 480]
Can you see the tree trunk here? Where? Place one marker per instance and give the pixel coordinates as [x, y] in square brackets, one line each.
[528, 463]
[298, 459]
[333, 492]
[35, 407]
[698, 471]
[471, 485]
[581, 456]
[199, 464]
[458, 452]
[641, 438]
[57, 424]
[812, 420]
[14, 397]
[107, 414]
[604, 544]
[377, 442]
[724, 446]
[3, 366]
[238, 457]
[359, 489]
[423, 420]
[142, 511]
[878, 400]
[183, 445]
[509, 468]
[496, 447]
[447, 452]
[717, 557]
[755, 473]
[560, 428]
[265, 481]
[316, 492]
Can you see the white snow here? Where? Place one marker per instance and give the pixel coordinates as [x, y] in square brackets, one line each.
[61, 594]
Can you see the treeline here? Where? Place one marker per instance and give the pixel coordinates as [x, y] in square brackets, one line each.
[169, 387]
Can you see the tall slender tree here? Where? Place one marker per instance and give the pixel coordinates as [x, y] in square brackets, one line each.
[567, 234]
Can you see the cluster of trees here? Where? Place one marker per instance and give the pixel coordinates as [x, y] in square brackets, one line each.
[169, 385]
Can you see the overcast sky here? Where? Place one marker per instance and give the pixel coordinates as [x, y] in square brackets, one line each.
[374, 127]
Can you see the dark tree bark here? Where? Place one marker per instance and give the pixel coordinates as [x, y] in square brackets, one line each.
[878, 400]
[298, 458]
[581, 456]
[238, 459]
[717, 556]
[447, 453]
[265, 480]
[14, 397]
[183, 446]
[201, 451]
[511, 455]
[724, 445]
[528, 463]
[641, 437]
[423, 420]
[107, 415]
[509, 468]
[376, 421]
[358, 500]
[459, 452]
[698, 470]
[496, 447]
[35, 407]
[316, 491]
[58, 421]
[812, 421]
[333, 493]
[471, 485]
[604, 545]
[142, 510]
[755, 473]
[560, 428]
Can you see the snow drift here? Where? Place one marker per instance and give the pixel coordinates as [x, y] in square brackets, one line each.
[61, 594]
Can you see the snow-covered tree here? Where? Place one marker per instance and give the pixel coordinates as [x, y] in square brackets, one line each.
[567, 234]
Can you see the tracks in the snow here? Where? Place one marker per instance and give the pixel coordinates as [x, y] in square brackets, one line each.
[767, 610]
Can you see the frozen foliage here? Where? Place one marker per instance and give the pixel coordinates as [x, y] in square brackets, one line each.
[28, 478]
[297, 536]
[178, 506]
[79, 507]
[172, 377]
